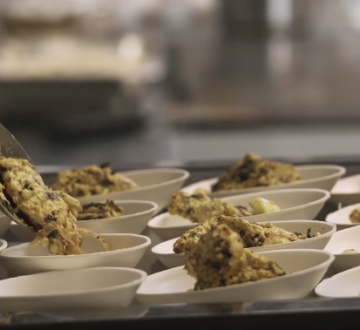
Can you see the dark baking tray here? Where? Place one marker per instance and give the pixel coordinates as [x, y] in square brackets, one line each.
[312, 313]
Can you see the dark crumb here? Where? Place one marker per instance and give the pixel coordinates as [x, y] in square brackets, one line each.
[297, 233]
[227, 254]
[260, 239]
[87, 206]
[4, 168]
[245, 172]
[81, 193]
[240, 207]
[54, 234]
[215, 265]
[308, 233]
[107, 183]
[50, 217]
[52, 196]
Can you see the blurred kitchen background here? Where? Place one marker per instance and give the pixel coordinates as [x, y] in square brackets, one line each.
[168, 82]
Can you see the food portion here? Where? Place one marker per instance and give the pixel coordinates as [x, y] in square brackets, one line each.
[262, 205]
[219, 259]
[254, 171]
[349, 251]
[93, 211]
[200, 207]
[355, 215]
[92, 180]
[52, 214]
[251, 234]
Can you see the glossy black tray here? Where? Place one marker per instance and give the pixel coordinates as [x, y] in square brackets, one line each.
[312, 313]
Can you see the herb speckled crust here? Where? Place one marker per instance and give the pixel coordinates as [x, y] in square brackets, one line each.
[92, 180]
[53, 214]
[254, 171]
[219, 259]
[200, 207]
[93, 211]
[251, 234]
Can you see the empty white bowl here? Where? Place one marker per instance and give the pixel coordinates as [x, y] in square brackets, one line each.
[294, 203]
[5, 222]
[346, 191]
[166, 255]
[155, 185]
[305, 270]
[313, 176]
[91, 288]
[164, 251]
[342, 285]
[344, 240]
[342, 217]
[126, 251]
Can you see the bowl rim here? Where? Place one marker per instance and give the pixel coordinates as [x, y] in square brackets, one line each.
[183, 175]
[340, 274]
[146, 243]
[131, 283]
[255, 249]
[340, 233]
[329, 260]
[153, 208]
[3, 244]
[353, 206]
[341, 170]
[348, 178]
[326, 195]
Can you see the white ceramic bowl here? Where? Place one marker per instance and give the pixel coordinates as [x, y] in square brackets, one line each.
[342, 285]
[137, 215]
[341, 241]
[346, 191]
[3, 244]
[91, 288]
[127, 250]
[313, 176]
[4, 224]
[156, 185]
[342, 217]
[164, 251]
[294, 203]
[306, 268]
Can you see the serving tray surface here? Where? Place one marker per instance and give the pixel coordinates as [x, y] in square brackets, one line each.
[312, 312]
